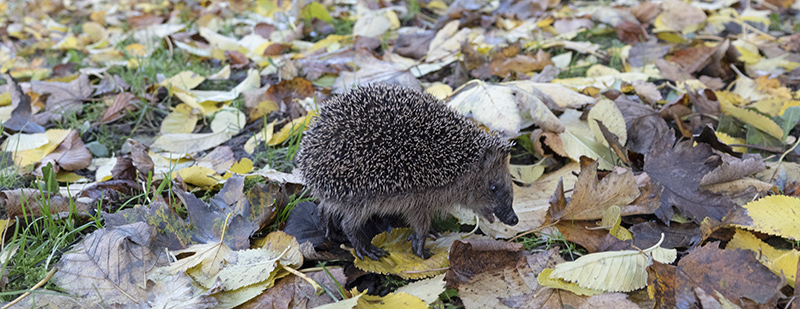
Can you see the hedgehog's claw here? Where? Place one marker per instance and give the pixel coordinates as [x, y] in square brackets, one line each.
[371, 252]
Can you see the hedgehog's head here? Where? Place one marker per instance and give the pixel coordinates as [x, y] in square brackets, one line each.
[494, 193]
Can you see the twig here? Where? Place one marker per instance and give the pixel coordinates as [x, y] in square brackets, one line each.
[781, 159]
[38, 285]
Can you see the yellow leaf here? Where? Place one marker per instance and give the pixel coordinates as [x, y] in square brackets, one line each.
[263, 135]
[777, 260]
[263, 108]
[181, 120]
[185, 80]
[545, 280]
[787, 265]
[244, 166]
[391, 300]
[136, 50]
[401, 261]
[296, 126]
[754, 119]
[198, 175]
[54, 137]
[440, 90]
[728, 140]
[788, 104]
[69, 177]
[775, 215]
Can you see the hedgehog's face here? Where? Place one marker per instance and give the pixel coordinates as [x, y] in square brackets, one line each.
[496, 193]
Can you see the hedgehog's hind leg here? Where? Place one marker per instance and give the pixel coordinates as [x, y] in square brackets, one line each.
[361, 241]
[421, 223]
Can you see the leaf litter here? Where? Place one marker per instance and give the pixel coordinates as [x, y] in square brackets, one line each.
[147, 155]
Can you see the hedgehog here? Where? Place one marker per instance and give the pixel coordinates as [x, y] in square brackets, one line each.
[386, 150]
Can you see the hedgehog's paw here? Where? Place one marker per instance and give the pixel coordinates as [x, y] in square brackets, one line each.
[418, 246]
[371, 252]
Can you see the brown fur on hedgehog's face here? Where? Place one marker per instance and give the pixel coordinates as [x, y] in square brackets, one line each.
[493, 193]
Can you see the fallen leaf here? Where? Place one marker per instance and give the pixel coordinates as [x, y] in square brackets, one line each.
[96, 267]
[679, 170]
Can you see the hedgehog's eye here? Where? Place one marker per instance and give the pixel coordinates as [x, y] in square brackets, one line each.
[493, 188]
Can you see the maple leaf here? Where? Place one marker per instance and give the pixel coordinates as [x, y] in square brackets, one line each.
[679, 170]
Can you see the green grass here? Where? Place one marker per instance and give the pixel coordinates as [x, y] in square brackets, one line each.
[36, 245]
[543, 242]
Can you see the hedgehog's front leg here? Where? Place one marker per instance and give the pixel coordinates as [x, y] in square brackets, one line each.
[361, 241]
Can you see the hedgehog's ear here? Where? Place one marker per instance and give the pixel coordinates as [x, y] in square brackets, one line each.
[493, 155]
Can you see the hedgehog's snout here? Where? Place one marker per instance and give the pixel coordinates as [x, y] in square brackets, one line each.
[506, 215]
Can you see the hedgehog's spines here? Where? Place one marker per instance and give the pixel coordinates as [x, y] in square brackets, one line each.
[383, 139]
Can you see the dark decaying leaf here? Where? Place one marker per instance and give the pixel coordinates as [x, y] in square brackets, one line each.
[679, 170]
[642, 122]
[661, 277]
[294, 292]
[736, 274]
[172, 231]
[110, 264]
[677, 235]
[21, 119]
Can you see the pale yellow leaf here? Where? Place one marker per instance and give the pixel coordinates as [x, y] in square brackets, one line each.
[504, 108]
[185, 80]
[189, 142]
[261, 136]
[578, 140]
[607, 112]
[181, 120]
[22, 141]
[545, 280]
[230, 119]
[614, 271]
[526, 173]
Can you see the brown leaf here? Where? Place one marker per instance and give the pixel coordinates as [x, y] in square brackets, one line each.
[413, 45]
[294, 292]
[679, 169]
[237, 59]
[71, 155]
[736, 274]
[694, 58]
[110, 264]
[521, 64]
[141, 158]
[220, 159]
[264, 30]
[63, 98]
[579, 233]
[491, 274]
[661, 281]
[591, 197]
[631, 32]
[122, 104]
[31, 200]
